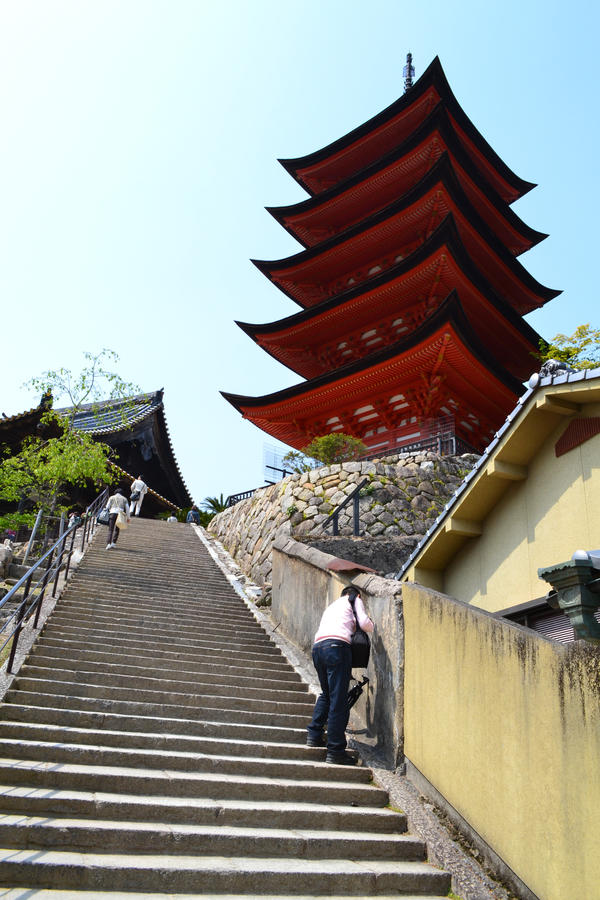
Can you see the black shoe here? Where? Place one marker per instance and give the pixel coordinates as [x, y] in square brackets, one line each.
[315, 742]
[341, 759]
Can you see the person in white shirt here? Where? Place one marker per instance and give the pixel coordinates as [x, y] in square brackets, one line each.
[171, 518]
[116, 504]
[332, 658]
[138, 492]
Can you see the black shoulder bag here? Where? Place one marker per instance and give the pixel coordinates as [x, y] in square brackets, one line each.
[361, 645]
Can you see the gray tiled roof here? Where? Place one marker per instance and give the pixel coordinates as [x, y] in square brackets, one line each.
[109, 416]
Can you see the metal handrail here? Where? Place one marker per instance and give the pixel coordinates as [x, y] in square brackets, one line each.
[243, 495]
[30, 603]
[334, 516]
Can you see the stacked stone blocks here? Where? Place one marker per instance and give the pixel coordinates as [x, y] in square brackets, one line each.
[403, 497]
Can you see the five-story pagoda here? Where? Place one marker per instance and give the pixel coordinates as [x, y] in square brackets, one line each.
[410, 290]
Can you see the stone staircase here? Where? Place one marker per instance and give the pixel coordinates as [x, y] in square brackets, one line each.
[154, 744]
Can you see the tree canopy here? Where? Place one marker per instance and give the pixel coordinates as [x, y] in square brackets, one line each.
[325, 450]
[581, 350]
[40, 474]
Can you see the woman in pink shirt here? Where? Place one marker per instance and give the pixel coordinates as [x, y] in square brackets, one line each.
[332, 657]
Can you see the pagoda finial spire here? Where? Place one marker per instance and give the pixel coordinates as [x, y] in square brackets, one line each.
[408, 72]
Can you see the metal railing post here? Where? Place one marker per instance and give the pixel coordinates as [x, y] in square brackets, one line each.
[59, 564]
[32, 538]
[40, 599]
[356, 521]
[354, 496]
[17, 631]
[69, 556]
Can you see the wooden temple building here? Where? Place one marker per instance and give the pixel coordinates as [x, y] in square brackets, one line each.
[409, 284]
[136, 430]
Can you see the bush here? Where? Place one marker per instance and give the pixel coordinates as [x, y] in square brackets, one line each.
[335, 448]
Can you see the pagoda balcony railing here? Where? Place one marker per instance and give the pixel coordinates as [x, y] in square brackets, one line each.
[235, 498]
[442, 444]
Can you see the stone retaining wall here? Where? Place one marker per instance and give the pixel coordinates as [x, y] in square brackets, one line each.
[402, 499]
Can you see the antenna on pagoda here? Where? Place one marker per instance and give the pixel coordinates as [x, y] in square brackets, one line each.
[408, 72]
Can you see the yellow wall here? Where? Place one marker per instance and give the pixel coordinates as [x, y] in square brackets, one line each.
[539, 521]
[506, 725]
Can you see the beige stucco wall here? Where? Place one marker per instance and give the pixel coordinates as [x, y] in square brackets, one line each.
[506, 725]
[539, 521]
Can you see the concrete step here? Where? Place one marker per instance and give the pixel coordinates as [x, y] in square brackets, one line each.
[169, 782]
[230, 697]
[159, 656]
[157, 741]
[120, 616]
[132, 757]
[42, 894]
[253, 648]
[99, 664]
[214, 713]
[143, 724]
[257, 876]
[155, 681]
[199, 810]
[201, 648]
[107, 836]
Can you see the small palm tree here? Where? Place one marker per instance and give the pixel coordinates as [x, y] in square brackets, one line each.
[214, 505]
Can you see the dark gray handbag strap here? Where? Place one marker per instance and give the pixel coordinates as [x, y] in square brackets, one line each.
[352, 602]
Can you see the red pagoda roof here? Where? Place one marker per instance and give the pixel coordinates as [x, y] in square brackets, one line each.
[389, 236]
[364, 145]
[375, 186]
[441, 368]
[373, 315]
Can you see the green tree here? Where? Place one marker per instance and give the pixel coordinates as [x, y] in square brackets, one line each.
[42, 471]
[334, 448]
[95, 382]
[296, 461]
[581, 350]
[40, 474]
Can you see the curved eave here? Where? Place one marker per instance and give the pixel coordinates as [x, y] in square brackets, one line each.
[156, 420]
[433, 76]
[450, 313]
[437, 121]
[14, 429]
[274, 268]
[446, 235]
[178, 484]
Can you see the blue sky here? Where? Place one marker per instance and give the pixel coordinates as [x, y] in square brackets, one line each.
[140, 145]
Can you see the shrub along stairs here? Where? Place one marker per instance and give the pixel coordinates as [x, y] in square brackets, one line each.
[154, 742]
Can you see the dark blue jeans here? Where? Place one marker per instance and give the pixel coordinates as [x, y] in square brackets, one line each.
[333, 662]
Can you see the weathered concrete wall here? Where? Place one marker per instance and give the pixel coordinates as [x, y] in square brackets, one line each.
[303, 585]
[403, 497]
[505, 725]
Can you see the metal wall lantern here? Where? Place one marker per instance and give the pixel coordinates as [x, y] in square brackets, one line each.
[576, 592]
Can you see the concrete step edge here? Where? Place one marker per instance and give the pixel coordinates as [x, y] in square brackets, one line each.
[182, 873]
